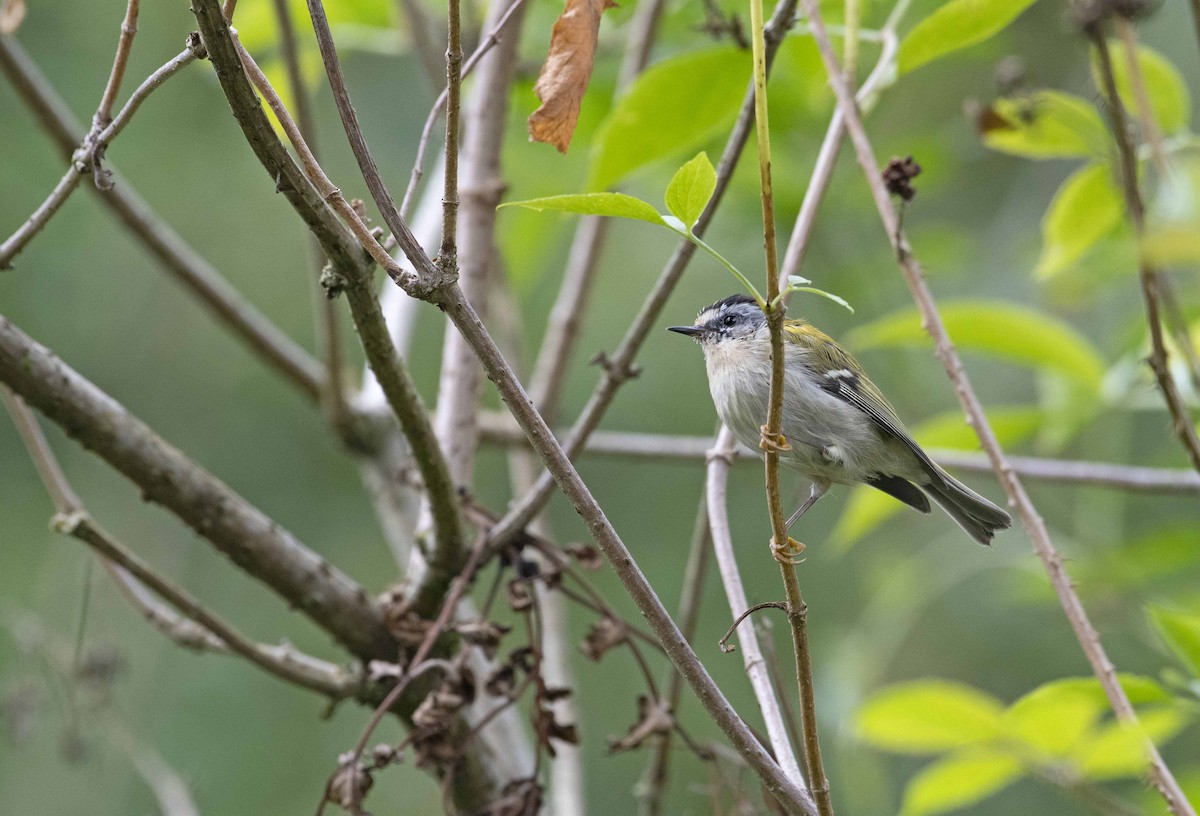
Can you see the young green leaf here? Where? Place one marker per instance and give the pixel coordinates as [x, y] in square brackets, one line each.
[1119, 750]
[1044, 125]
[954, 26]
[690, 190]
[958, 780]
[616, 205]
[1052, 718]
[672, 108]
[1005, 330]
[1181, 632]
[1086, 208]
[929, 716]
[1170, 103]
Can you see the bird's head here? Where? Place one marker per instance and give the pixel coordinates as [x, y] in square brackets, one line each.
[727, 323]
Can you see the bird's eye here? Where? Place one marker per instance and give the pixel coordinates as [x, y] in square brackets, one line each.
[729, 320]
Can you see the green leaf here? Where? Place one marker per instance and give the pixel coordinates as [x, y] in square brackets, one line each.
[929, 716]
[673, 107]
[867, 507]
[616, 205]
[954, 26]
[1181, 632]
[1087, 207]
[1053, 717]
[1005, 330]
[959, 780]
[690, 190]
[1044, 125]
[1170, 102]
[1119, 750]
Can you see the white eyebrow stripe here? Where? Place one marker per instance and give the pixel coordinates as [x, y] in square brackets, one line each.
[840, 374]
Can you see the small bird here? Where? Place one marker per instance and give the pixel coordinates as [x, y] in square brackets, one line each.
[837, 426]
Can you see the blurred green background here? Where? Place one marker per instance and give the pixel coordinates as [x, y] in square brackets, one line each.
[911, 598]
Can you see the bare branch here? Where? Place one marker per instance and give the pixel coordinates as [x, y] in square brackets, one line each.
[1085, 633]
[259, 545]
[422, 36]
[439, 105]
[232, 64]
[460, 384]
[132, 576]
[1181, 420]
[246, 323]
[37, 221]
[325, 313]
[498, 429]
[756, 670]
[653, 785]
[120, 59]
[307, 672]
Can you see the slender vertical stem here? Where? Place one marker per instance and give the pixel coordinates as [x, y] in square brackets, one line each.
[120, 60]
[447, 259]
[324, 308]
[1149, 276]
[773, 440]
[717, 479]
[653, 786]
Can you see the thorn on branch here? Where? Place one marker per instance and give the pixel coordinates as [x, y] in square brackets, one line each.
[898, 176]
[724, 642]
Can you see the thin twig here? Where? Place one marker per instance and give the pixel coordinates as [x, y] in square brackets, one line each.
[389, 369]
[257, 543]
[133, 574]
[471, 246]
[716, 484]
[773, 441]
[40, 217]
[325, 313]
[416, 664]
[439, 105]
[255, 330]
[619, 367]
[120, 59]
[1085, 633]
[724, 641]
[318, 676]
[1145, 112]
[499, 429]
[85, 158]
[422, 36]
[652, 788]
[1181, 420]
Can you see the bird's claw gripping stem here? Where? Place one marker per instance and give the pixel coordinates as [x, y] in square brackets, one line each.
[789, 553]
[772, 442]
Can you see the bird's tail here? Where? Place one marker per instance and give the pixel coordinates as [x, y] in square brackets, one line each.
[975, 514]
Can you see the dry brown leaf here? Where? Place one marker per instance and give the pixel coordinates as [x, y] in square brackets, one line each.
[12, 12]
[565, 74]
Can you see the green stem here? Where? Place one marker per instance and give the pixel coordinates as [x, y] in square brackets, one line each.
[773, 440]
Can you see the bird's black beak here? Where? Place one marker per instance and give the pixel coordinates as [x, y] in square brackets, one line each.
[690, 331]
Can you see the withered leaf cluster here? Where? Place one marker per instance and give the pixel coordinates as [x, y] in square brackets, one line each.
[654, 718]
[603, 635]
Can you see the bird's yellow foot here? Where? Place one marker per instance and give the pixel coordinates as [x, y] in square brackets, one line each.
[789, 553]
[772, 443]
